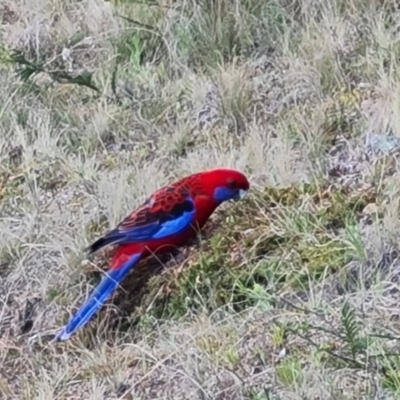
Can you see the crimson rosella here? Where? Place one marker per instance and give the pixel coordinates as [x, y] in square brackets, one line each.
[166, 220]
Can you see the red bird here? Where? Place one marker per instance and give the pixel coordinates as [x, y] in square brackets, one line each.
[166, 220]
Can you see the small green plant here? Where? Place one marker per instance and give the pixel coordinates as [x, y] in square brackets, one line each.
[391, 373]
[289, 371]
[355, 343]
[136, 47]
[27, 69]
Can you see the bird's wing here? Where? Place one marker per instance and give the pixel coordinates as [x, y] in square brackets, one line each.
[168, 212]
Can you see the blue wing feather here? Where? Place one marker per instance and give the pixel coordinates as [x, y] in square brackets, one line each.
[164, 224]
[174, 226]
[168, 224]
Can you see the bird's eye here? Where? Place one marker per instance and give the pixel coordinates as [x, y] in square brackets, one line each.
[231, 184]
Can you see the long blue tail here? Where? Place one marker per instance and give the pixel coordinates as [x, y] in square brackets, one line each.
[99, 295]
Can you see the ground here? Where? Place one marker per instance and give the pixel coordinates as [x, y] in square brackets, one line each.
[292, 293]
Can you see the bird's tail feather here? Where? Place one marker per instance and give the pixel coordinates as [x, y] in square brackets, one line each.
[99, 295]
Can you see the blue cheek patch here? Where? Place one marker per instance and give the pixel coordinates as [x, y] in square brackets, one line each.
[222, 193]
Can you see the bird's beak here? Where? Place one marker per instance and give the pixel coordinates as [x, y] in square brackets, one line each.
[241, 194]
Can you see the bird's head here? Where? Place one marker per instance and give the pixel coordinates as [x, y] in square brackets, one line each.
[225, 184]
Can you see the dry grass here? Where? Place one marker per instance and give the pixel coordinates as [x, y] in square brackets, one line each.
[292, 294]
